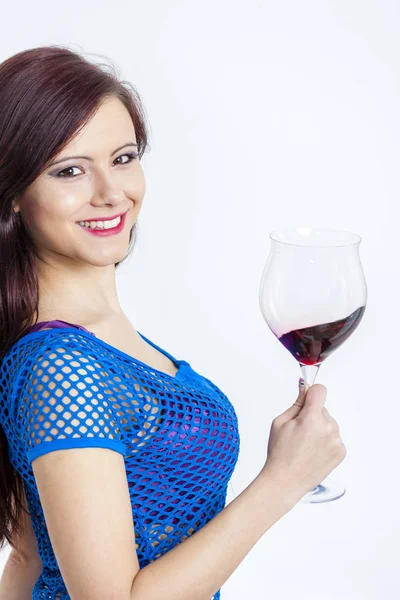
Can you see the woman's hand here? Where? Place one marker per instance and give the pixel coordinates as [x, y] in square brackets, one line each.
[304, 444]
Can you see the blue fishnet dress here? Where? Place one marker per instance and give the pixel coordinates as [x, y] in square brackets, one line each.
[65, 388]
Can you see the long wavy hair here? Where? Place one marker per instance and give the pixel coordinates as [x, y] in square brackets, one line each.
[47, 95]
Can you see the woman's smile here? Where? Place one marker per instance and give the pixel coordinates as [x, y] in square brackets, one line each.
[104, 228]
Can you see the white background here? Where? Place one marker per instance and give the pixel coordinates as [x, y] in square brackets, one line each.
[265, 115]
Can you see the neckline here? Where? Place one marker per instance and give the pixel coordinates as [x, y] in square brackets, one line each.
[178, 363]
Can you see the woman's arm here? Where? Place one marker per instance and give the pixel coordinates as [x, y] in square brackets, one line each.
[18, 577]
[196, 568]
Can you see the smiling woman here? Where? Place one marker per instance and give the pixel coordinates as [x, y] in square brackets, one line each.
[124, 452]
[93, 117]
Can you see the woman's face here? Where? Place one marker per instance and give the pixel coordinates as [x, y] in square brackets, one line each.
[107, 182]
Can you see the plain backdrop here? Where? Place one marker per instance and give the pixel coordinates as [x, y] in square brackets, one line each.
[265, 115]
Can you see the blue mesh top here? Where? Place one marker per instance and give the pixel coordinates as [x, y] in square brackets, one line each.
[65, 388]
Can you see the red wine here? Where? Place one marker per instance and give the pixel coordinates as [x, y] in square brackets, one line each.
[311, 345]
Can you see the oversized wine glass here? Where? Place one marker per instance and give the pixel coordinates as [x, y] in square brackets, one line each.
[313, 296]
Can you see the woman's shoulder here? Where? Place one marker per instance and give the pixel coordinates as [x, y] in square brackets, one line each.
[25, 351]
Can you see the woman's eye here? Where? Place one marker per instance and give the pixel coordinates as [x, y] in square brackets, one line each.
[131, 156]
[61, 173]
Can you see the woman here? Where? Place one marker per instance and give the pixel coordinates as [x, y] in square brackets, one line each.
[115, 455]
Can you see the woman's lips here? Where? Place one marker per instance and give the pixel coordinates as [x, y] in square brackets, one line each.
[106, 232]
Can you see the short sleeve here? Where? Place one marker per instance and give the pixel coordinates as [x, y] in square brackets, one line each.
[62, 401]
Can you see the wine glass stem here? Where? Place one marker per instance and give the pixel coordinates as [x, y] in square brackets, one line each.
[309, 373]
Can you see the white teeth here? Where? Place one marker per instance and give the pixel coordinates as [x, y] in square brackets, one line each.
[101, 224]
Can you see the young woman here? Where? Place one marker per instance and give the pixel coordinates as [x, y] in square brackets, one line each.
[115, 456]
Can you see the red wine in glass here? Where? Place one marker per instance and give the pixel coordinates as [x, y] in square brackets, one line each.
[313, 295]
[312, 345]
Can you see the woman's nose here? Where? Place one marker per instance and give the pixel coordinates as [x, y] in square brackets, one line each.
[108, 192]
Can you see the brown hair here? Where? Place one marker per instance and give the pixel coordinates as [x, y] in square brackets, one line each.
[47, 95]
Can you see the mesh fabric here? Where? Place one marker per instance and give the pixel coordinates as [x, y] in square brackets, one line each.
[65, 388]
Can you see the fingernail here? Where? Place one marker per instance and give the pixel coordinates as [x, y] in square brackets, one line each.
[301, 382]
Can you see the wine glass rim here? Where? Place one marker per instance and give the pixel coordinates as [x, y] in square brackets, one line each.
[354, 238]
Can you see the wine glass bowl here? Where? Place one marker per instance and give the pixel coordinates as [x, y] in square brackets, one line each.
[313, 296]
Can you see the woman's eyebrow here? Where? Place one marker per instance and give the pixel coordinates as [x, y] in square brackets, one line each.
[89, 157]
